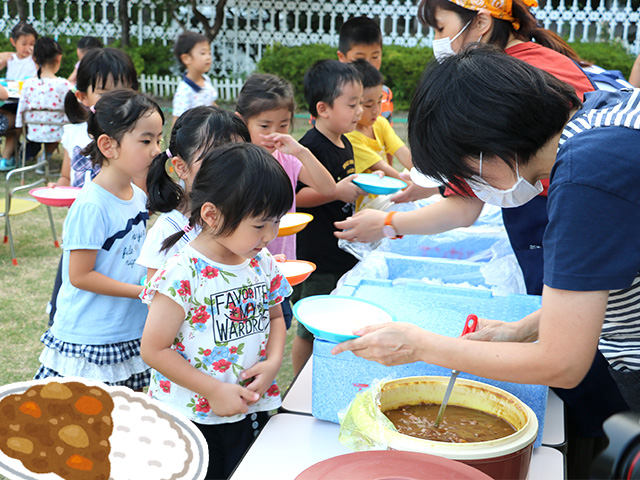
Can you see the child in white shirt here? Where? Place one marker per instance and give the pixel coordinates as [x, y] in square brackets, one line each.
[194, 53]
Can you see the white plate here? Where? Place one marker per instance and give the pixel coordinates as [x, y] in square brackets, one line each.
[132, 411]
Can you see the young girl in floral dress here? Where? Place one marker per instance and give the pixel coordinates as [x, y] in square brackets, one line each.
[215, 333]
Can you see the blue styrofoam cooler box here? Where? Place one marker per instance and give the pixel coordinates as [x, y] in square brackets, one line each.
[391, 266]
[458, 244]
[439, 309]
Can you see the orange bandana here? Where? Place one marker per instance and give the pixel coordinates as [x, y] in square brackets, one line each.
[497, 8]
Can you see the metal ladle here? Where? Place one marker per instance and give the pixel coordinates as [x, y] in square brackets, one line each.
[469, 326]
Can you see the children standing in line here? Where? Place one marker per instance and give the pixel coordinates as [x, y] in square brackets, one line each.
[99, 322]
[360, 37]
[20, 66]
[267, 105]
[197, 131]
[45, 91]
[193, 51]
[215, 334]
[84, 45]
[333, 91]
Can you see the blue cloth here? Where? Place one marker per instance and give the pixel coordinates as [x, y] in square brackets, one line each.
[116, 228]
[591, 242]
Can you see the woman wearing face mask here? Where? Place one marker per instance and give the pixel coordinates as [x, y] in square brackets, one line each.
[591, 257]
[510, 27]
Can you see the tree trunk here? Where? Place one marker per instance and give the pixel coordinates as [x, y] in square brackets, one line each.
[124, 22]
[21, 6]
[210, 31]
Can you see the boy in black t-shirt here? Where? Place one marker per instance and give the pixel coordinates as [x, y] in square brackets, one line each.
[333, 91]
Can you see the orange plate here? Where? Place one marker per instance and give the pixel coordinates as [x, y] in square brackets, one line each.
[293, 223]
[56, 196]
[296, 271]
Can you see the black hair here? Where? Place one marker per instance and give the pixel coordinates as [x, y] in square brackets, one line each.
[359, 31]
[483, 100]
[370, 75]
[185, 43]
[88, 43]
[196, 132]
[45, 52]
[116, 113]
[323, 82]
[528, 30]
[242, 180]
[98, 68]
[263, 92]
[21, 29]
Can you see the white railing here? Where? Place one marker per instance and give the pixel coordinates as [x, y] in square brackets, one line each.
[252, 25]
[164, 86]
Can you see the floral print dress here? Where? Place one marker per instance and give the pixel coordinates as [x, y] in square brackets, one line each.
[43, 94]
[226, 324]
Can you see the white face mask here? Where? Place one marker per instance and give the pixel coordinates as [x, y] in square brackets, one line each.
[442, 47]
[516, 196]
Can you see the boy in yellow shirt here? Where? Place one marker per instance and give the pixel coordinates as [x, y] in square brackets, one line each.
[374, 139]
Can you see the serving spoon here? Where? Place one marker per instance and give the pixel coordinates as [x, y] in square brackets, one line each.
[470, 325]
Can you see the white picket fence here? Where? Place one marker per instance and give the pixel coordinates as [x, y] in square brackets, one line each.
[164, 86]
[250, 26]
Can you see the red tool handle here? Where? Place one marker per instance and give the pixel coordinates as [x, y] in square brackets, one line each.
[470, 325]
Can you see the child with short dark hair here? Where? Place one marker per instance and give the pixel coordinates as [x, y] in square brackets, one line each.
[333, 91]
[193, 52]
[84, 45]
[361, 37]
[215, 335]
[44, 92]
[374, 139]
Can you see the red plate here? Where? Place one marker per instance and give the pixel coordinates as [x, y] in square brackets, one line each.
[390, 464]
[56, 196]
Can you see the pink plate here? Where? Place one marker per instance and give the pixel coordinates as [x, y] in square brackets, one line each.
[56, 196]
[391, 465]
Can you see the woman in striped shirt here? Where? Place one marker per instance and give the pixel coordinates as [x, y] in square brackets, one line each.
[502, 126]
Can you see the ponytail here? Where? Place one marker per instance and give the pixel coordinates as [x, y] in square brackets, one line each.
[171, 240]
[164, 195]
[76, 112]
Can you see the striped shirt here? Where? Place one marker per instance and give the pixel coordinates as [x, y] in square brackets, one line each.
[620, 336]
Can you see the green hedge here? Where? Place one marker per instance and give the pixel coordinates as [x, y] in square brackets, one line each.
[401, 67]
[608, 55]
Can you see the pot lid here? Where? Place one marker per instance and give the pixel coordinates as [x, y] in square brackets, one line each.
[390, 465]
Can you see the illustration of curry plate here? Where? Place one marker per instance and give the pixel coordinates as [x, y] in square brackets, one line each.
[76, 429]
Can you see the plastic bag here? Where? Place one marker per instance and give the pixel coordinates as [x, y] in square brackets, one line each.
[363, 426]
[502, 272]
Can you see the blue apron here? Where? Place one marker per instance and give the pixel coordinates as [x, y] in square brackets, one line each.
[597, 397]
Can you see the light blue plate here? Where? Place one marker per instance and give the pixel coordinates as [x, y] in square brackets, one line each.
[333, 317]
[372, 183]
